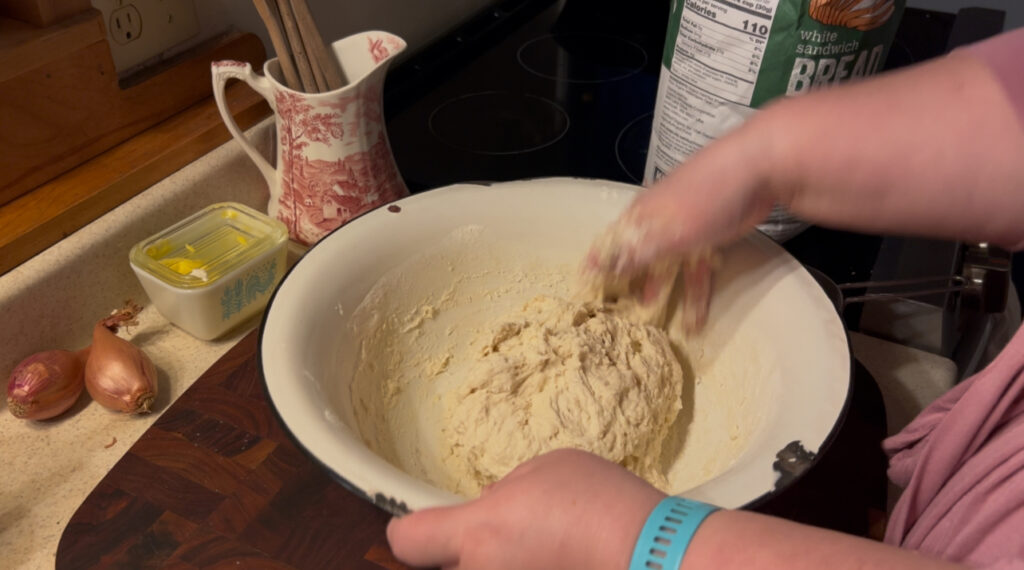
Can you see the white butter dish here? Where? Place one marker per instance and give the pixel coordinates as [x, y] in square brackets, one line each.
[213, 270]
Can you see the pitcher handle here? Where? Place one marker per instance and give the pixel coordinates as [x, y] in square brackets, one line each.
[224, 70]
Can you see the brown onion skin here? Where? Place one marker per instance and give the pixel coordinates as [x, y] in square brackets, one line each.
[46, 384]
[119, 375]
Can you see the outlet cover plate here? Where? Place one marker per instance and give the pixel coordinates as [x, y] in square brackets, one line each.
[141, 31]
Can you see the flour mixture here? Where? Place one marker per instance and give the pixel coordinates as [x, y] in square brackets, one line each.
[475, 355]
[559, 374]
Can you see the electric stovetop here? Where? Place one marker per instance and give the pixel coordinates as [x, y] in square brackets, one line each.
[539, 88]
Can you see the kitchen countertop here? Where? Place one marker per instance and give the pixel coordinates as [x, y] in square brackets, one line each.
[53, 300]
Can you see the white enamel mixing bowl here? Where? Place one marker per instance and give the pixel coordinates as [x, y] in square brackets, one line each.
[772, 368]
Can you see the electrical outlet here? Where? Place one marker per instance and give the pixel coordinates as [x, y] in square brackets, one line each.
[141, 31]
[125, 24]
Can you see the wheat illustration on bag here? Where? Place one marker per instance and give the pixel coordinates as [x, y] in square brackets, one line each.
[860, 15]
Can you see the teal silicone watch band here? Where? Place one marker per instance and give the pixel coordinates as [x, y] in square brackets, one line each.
[667, 533]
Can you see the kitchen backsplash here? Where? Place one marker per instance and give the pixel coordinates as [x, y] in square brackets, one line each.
[416, 22]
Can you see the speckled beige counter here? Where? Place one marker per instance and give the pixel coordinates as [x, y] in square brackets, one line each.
[52, 301]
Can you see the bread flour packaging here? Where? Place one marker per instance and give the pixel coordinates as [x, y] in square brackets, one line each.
[725, 58]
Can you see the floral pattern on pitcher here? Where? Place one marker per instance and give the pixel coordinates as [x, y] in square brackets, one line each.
[381, 47]
[334, 161]
[318, 194]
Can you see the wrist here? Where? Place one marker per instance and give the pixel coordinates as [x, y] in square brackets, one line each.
[667, 533]
[618, 533]
[772, 140]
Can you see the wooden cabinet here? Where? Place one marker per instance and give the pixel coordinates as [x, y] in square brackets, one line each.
[75, 142]
[42, 12]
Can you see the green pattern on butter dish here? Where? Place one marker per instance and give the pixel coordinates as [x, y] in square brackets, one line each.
[247, 289]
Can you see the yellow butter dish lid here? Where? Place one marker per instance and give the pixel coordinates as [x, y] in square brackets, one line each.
[208, 245]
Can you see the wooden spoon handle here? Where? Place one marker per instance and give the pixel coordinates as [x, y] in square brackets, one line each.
[318, 51]
[268, 13]
[291, 30]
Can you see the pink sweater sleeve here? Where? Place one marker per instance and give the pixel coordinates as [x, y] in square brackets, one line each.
[961, 462]
[1004, 54]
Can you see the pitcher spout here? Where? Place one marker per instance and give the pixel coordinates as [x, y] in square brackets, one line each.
[362, 55]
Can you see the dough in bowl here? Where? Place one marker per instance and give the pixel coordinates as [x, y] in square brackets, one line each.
[476, 355]
[557, 373]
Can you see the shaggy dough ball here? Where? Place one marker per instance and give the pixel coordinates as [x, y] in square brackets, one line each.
[564, 374]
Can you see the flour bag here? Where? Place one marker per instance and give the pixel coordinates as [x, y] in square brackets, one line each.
[725, 58]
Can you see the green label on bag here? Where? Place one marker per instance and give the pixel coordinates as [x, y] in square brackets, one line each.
[824, 43]
[725, 58]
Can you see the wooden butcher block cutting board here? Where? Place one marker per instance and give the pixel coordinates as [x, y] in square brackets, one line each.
[217, 483]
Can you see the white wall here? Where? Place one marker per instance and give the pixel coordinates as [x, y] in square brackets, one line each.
[416, 21]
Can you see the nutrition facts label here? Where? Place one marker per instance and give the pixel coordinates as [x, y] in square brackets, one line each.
[721, 44]
[707, 89]
[728, 58]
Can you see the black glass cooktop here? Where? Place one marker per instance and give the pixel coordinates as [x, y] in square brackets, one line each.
[536, 88]
[552, 93]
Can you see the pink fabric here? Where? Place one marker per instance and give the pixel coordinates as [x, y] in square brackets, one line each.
[1004, 54]
[962, 464]
[961, 461]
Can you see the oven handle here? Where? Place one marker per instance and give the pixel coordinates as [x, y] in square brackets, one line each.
[917, 287]
[984, 282]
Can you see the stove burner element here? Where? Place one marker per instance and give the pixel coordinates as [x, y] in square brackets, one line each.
[499, 122]
[631, 146]
[582, 58]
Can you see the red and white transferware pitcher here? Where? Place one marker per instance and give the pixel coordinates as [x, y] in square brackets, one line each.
[334, 161]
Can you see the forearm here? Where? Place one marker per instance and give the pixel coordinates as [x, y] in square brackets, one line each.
[951, 164]
[742, 540]
[572, 509]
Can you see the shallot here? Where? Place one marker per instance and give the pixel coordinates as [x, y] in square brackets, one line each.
[118, 374]
[46, 384]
